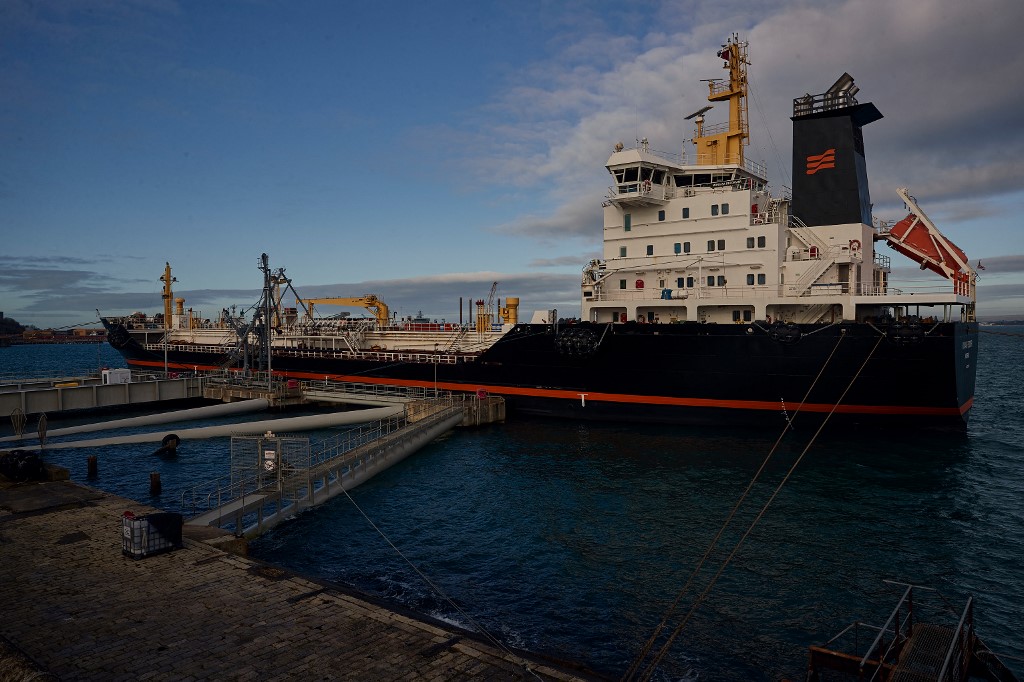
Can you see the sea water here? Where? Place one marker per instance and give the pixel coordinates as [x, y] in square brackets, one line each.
[572, 539]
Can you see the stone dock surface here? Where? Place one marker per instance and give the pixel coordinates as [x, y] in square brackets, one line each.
[75, 607]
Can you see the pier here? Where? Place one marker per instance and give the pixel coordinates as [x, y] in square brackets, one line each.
[76, 608]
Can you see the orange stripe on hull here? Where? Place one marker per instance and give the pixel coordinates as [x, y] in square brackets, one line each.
[764, 405]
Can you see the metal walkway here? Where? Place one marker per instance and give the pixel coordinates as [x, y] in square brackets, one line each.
[278, 477]
[35, 396]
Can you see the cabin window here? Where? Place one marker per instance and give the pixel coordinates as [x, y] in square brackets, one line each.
[661, 284]
[721, 245]
[622, 284]
[761, 278]
[677, 248]
[725, 209]
[679, 283]
[721, 280]
[702, 179]
[681, 180]
[735, 316]
[750, 279]
[686, 247]
[627, 222]
[760, 242]
[686, 212]
[650, 249]
[750, 242]
[661, 216]
[711, 280]
[747, 316]
[714, 209]
[689, 282]
[622, 252]
[711, 245]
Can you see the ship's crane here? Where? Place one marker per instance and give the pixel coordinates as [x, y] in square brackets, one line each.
[370, 302]
[490, 298]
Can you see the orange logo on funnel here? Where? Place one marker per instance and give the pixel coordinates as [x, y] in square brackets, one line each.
[825, 160]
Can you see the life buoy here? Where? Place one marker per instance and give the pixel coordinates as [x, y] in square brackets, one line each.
[646, 185]
[855, 245]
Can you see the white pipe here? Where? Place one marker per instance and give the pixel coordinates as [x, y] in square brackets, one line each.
[207, 412]
[316, 421]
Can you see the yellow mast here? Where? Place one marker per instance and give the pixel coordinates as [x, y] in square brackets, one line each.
[168, 295]
[715, 144]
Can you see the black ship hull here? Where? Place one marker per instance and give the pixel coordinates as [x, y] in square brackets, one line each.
[684, 373]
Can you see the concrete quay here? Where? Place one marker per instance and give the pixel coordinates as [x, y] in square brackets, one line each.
[76, 608]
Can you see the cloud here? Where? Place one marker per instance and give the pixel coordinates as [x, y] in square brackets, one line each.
[555, 122]
[579, 218]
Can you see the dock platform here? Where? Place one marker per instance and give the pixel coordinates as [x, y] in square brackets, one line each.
[80, 610]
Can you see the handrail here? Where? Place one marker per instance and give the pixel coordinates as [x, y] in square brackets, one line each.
[885, 628]
[957, 643]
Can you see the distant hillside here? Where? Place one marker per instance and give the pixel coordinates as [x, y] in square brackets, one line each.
[8, 325]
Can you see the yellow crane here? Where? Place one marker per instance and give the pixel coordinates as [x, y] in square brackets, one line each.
[370, 302]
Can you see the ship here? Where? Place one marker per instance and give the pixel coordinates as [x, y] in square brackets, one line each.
[718, 299]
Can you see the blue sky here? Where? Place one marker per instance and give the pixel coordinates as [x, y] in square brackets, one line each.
[420, 151]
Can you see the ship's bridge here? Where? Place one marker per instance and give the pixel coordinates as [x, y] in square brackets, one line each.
[643, 178]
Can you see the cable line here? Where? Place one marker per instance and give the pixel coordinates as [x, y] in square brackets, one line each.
[493, 640]
[703, 595]
[631, 672]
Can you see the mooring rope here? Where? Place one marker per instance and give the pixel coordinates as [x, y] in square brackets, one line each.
[487, 635]
[703, 595]
[714, 542]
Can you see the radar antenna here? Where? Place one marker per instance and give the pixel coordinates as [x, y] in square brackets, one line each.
[699, 115]
[700, 112]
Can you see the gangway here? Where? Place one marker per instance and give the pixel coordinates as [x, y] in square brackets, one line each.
[274, 478]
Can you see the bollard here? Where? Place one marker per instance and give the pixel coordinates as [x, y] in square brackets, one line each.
[90, 465]
[154, 483]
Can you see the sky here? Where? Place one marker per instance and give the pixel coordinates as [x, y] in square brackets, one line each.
[421, 151]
